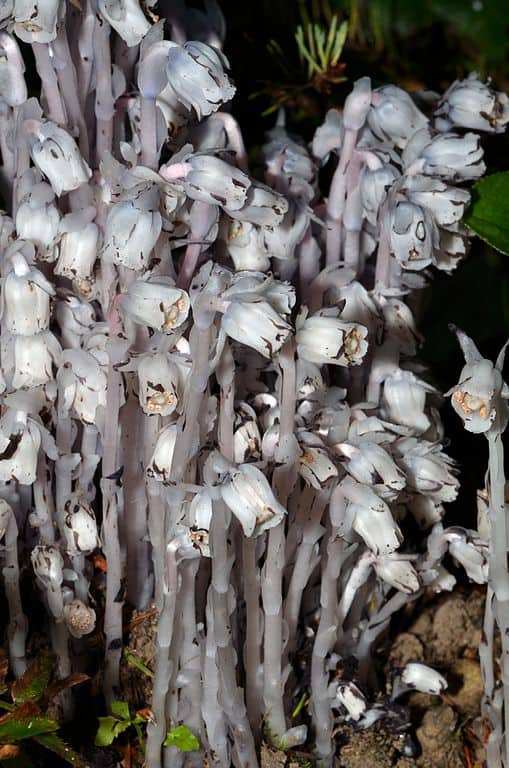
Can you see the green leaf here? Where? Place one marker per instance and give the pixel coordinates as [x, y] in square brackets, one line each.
[488, 215]
[17, 729]
[137, 664]
[106, 732]
[182, 738]
[121, 710]
[32, 684]
[55, 744]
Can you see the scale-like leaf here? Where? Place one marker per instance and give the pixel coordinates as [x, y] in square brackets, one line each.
[488, 215]
[32, 683]
[182, 738]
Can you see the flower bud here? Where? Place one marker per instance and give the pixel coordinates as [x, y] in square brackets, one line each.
[56, 155]
[357, 105]
[471, 104]
[324, 339]
[254, 323]
[158, 380]
[81, 527]
[79, 618]
[159, 466]
[126, 18]
[247, 493]
[130, 235]
[156, 302]
[13, 89]
[327, 136]
[246, 438]
[26, 307]
[196, 75]
[424, 679]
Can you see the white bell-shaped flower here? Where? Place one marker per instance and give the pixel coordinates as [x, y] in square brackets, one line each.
[404, 400]
[252, 321]
[26, 300]
[48, 565]
[481, 394]
[82, 384]
[158, 382]
[372, 519]
[130, 235]
[394, 116]
[56, 155]
[472, 104]
[446, 203]
[20, 440]
[315, 465]
[422, 678]
[36, 22]
[325, 339]
[371, 464]
[209, 179]
[127, 19]
[398, 572]
[34, 357]
[156, 302]
[428, 470]
[412, 235]
[200, 516]
[470, 551]
[263, 207]
[77, 250]
[79, 618]
[244, 244]
[453, 157]
[196, 75]
[247, 493]
[160, 464]
[13, 89]
[80, 527]
[351, 698]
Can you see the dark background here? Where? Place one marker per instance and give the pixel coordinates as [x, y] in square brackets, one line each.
[419, 45]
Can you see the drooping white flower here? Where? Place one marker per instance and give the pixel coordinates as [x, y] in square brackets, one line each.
[20, 440]
[470, 551]
[80, 527]
[247, 493]
[77, 250]
[244, 244]
[371, 464]
[398, 572]
[429, 471]
[158, 381]
[451, 156]
[446, 203]
[48, 565]
[82, 384]
[325, 339]
[160, 464]
[422, 678]
[126, 18]
[372, 520]
[156, 302]
[472, 104]
[404, 400]
[351, 698]
[200, 516]
[394, 116]
[315, 465]
[34, 357]
[481, 394]
[374, 186]
[26, 294]
[36, 22]
[412, 235]
[56, 155]
[209, 179]
[246, 437]
[79, 618]
[196, 75]
[252, 321]
[130, 234]
[13, 89]
[38, 219]
[263, 207]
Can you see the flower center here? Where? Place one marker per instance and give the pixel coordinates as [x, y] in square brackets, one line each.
[470, 403]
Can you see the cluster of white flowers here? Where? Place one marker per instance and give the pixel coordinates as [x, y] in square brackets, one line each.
[234, 358]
